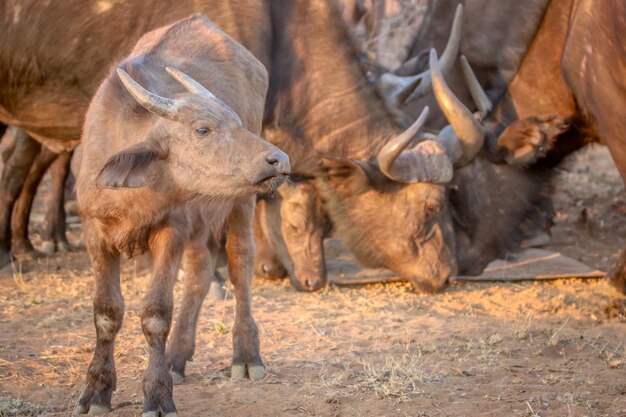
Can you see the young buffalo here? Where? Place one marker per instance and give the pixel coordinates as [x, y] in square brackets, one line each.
[170, 163]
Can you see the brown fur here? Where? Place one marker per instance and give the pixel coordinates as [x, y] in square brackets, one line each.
[172, 185]
[289, 230]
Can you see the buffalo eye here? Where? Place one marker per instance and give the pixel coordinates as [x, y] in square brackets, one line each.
[202, 131]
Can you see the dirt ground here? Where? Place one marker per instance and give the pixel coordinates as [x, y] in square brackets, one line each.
[477, 349]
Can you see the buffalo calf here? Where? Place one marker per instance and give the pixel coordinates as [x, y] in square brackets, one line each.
[172, 160]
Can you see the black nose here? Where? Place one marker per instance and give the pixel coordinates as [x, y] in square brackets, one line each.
[280, 161]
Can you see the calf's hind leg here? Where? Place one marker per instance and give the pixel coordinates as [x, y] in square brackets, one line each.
[108, 309]
[240, 254]
[198, 264]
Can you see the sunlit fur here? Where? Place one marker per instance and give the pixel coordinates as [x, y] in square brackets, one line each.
[174, 186]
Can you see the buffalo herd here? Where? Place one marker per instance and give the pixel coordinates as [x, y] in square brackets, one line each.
[186, 112]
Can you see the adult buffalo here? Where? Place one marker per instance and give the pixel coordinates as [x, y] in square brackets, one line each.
[557, 79]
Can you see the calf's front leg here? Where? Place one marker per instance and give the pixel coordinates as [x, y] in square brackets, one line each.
[240, 254]
[108, 311]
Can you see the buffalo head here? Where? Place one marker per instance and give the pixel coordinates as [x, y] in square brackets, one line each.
[414, 235]
[198, 145]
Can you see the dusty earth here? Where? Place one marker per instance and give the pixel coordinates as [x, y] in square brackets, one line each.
[477, 349]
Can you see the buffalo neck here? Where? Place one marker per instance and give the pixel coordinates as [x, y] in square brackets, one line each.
[318, 91]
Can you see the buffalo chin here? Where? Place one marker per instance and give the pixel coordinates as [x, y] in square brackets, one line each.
[270, 184]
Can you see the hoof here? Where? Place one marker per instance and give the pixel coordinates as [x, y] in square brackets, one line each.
[48, 247]
[157, 414]
[177, 378]
[5, 258]
[80, 409]
[256, 372]
[217, 291]
[238, 372]
[97, 409]
[64, 247]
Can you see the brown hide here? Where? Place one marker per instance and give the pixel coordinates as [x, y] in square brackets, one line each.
[495, 36]
[594, 67]
[47, 80]
[171, 163]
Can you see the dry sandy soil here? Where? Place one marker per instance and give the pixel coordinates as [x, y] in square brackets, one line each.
[477, 349]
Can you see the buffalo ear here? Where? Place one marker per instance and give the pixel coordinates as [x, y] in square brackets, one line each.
[129, 168]
[529, 139]
[344, 174]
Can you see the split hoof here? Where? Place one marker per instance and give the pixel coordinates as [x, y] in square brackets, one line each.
[97, 410]
[159, 414]
[64, 247]
[48, 247]
[177, 378]
[240, 371]
[217, 291]
[256, 372]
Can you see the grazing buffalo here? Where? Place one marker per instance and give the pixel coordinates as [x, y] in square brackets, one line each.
[557, 83]
[289, 231]
[171, 157]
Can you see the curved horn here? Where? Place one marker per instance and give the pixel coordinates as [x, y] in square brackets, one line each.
[476, 90]
[189, 83]
[162, 106]
[402, 88]
[468, 130]
[426, 162]
[195, 87]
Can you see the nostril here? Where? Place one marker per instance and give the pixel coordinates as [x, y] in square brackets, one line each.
[272, 160]
[313, 284]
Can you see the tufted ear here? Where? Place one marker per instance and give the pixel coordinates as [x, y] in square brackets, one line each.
[129, 168]
[529, 139]
[344, 174]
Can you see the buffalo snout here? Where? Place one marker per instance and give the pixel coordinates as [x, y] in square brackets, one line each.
[280, 162]
[275, 169]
